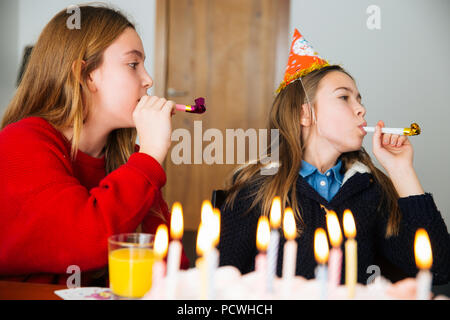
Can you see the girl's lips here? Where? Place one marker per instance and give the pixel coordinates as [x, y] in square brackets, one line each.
[362, 129]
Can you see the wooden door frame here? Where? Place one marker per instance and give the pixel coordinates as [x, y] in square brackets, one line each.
[161, 47]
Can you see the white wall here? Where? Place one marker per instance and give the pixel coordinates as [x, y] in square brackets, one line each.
[401, 71]
[9, 57]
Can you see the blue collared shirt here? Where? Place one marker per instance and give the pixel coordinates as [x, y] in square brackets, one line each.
[328, 184]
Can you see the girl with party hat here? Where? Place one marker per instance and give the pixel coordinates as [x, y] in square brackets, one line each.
[322, 164]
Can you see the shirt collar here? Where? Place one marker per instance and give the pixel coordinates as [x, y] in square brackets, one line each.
[337, 171]
[308, 169]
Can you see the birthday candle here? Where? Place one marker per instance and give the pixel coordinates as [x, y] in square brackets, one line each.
[175, 247]
[214, 253]
[290, 249]
[335, 260]
[201, 264]
[272, 252]
[160, 250]
[321, 254]
[262, 241]
[207, 239]
[351, 256]
[424, 260]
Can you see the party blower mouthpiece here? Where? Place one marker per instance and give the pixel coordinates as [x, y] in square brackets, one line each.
[198, 107]
[414, 130]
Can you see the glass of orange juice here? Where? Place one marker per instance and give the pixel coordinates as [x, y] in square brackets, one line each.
[130, 261]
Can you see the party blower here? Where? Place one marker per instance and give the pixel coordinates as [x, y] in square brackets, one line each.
[198, 107]
[414, 130]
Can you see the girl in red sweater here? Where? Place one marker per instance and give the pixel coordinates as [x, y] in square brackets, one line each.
[71, 174]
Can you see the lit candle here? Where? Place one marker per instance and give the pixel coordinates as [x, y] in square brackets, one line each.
[335, 260]
[214, 252]
[290, 249]
[272, 251]
[262, 241]
[175, 247]
[207, 239]
[160, 250]
[201, 264]
[424, 260]
[321, 254]
[351, 256]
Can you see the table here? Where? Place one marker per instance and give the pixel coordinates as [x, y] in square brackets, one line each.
[10, 290]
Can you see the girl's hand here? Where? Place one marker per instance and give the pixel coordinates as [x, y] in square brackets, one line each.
[152, 118]
[395, 153]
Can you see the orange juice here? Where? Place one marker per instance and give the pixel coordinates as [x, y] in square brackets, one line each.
[130, 271]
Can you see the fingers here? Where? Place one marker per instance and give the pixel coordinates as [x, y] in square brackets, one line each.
[394, 140]
[387, 139]
[159, 103]
[155, 102]
[169, 107]
[146, 101]
[402, 140]
[376, 139]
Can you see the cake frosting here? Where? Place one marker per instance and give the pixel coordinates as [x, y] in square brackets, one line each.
[229, 284]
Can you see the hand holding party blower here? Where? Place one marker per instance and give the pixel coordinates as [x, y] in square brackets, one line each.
[198, 107]
[414, 130]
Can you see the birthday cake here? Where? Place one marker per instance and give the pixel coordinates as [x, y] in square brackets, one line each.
[229, 284]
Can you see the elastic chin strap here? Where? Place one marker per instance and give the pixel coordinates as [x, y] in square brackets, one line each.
[311, 106]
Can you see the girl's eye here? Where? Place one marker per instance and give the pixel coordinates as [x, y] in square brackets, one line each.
[345, 98]
[133, 65]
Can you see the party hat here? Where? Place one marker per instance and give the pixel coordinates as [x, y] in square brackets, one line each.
[302, 60]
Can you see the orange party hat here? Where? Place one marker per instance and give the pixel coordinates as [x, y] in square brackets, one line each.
[302, 60]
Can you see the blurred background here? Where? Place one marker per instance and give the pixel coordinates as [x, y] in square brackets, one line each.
[234, 54]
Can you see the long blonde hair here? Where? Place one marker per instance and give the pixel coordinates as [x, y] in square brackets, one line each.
[285, 116]
[52, 90]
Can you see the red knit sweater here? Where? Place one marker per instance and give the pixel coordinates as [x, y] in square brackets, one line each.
[55, 213]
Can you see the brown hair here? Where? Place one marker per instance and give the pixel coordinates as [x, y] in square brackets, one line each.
[285, 116]
[54, 84]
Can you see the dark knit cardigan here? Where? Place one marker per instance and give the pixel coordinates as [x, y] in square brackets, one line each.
[361, 194]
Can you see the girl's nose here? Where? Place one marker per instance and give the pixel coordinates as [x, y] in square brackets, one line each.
[361, 111]
[147, 81]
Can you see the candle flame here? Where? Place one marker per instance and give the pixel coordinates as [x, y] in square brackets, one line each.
[349, 224]
[263, 234]
[161, 241]
[334, 229]
[422, 250]
[216, 227]
[321, 246]
[203, 242]
[275, 213]
[176, 221]
[289, 227]
[207, 211]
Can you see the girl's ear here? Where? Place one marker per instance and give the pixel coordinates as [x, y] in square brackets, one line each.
[305, 115]
[76, 69]
[90, 83]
